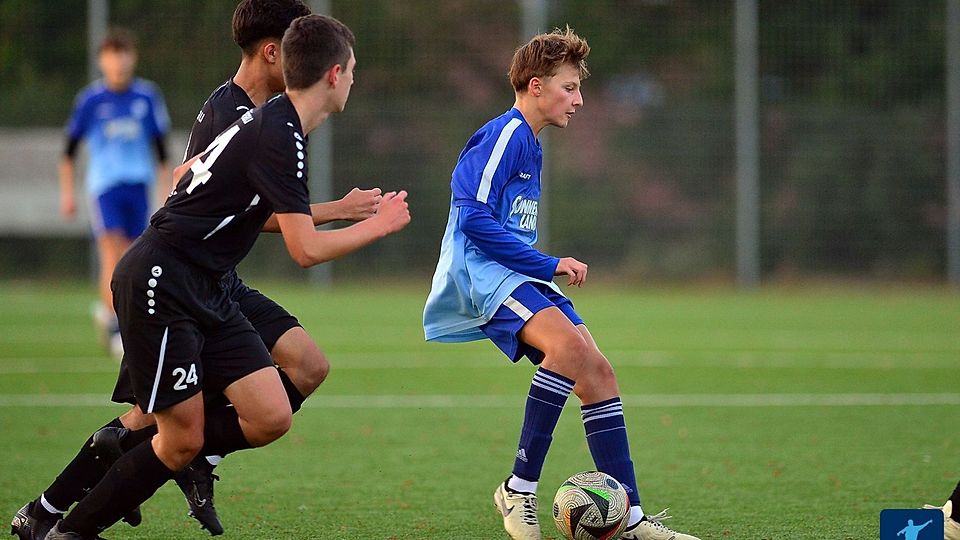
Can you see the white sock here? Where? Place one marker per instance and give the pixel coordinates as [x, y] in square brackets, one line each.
[214, 460]
[519, 484]
[49, 507]
[636, 514]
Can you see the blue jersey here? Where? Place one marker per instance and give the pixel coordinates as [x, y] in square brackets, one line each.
[497, 176]
[120, 128]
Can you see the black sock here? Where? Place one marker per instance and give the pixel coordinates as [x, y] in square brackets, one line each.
[222, 433]
[293, 393]
[133, 479]
[955, 498]
[135, 437]
[78, 477]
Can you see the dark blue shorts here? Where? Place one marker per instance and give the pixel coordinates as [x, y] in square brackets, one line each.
[121, 209]
[522, 304]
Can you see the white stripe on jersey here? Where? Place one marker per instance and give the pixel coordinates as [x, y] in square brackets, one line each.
[222, 224]
[228, 219]
[518, 308]
[156, 380]
[491, 168]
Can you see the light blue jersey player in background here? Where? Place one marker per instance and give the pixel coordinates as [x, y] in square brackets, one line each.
[124, 122]
[492, 283]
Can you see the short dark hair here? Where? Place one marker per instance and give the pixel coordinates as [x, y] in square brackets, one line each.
[543, 55]
[312, 45]
[118, 39]
[256, 20]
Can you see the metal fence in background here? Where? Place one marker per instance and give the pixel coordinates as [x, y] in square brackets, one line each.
[851, 128]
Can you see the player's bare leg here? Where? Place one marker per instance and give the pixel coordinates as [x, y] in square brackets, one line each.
[262, 406]
[305, 367]
[571, 354]
[599, 374]
[301, 360]
[111, 245]
[264, 413]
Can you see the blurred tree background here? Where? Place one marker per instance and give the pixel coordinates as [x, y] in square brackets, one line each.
[641, 184]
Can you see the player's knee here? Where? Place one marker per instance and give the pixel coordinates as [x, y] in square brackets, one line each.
[568, 356]
[602, 373]
[270, 427]
[316, 367]
[177, 452]
[597, 379]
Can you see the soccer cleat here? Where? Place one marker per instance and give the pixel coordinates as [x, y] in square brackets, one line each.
[652, 529]
[29, 527]
[107, 446]
[951, 529]
[196, 483]
[56, 534]
[519, 511]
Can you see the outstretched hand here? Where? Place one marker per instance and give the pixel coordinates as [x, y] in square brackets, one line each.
[393, 212]
[360, 204]
[576, 270]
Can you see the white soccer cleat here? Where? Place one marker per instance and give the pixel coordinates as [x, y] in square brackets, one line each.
[652, 529]
[519, 511]
[951, 529]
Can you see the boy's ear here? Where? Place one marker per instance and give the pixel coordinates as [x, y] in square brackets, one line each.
[333, 75]
[535, 87]
[271, 52]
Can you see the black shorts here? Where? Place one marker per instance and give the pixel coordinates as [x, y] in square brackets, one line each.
[181, 331]
[269, 319]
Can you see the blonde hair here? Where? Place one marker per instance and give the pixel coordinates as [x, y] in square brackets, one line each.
[543, 55]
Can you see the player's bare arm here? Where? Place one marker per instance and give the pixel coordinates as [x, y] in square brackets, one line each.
[576, 270]
[68, 201]
[357, 205]
[163, 171]
[182, 169]
[308, 246]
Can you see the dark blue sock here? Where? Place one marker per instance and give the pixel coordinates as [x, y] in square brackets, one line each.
[607, 439]
[548, 393]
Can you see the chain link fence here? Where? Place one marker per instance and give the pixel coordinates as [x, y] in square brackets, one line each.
[641, 184]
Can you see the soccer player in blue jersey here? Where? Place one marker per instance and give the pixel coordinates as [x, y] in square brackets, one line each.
[125, 122]
[491, 282]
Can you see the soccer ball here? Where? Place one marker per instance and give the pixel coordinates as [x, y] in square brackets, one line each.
[591, 506]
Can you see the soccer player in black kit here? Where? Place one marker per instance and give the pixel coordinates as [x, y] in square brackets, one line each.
[258, 27]
[182, 333]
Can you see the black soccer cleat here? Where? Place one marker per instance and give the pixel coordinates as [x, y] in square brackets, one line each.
[108, 448]
[196, 483]
[28, 526]
[56, 534]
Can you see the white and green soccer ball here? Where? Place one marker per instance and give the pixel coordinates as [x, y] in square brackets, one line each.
[591, 506]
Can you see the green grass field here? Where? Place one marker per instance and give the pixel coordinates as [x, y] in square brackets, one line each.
[781, 414]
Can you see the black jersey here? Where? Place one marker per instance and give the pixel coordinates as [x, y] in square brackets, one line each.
[224, 106]
[256, 167]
